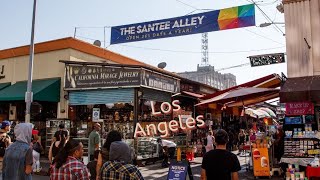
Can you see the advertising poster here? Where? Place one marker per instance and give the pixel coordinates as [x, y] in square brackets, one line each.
[95, 114]
[178, 171]
[261, 164]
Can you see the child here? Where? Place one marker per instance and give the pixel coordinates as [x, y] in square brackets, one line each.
[93, 164]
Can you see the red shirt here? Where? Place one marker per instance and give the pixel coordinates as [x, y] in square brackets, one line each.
[72, 169]
[34, 132]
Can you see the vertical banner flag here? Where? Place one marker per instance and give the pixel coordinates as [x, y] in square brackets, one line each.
[230, 18]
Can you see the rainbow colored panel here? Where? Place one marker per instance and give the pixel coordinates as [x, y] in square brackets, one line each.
[236, 17]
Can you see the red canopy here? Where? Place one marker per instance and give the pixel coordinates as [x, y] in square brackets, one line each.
[270, 81]
[240, 94]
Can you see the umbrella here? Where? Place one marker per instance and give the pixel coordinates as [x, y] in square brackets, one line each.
[269, 111]
[254, 113]
[265, 114]
[240, 94]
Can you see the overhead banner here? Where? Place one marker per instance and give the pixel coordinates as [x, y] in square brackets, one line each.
[229, 18]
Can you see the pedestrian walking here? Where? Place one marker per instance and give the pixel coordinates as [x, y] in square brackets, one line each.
[37, 149]
[169, 149]
[5, 141]
[210, 141]
[61, 133]
[67, 164]
[94, 140]
[220, 164]
[241, 138]
[56, 147]
[104, 153]
[92, 166]
[18, 159]
[119, 167]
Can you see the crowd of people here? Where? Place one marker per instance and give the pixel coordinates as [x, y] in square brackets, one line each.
[112, 160]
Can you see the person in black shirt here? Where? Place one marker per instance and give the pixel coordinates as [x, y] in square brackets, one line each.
[220, 164]
[61, 133]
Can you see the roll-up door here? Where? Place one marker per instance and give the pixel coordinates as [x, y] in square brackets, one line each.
[101, 96]
[154, 95]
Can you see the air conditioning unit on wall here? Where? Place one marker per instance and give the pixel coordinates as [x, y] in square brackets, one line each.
[12, 112]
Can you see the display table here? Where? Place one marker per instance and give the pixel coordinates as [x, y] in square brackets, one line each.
[312, 172]
[300, 161]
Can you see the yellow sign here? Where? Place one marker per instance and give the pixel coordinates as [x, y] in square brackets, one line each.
[313, 151]
[261, 164]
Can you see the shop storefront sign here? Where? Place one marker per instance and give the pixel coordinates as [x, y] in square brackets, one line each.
[261, 166]
[160, 82]
[188, 87]
[90, 77]
[299, 108]
[2, 75]
[94, 77]
[163, 128]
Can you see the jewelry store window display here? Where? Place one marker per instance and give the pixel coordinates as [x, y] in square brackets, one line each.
[119, 117]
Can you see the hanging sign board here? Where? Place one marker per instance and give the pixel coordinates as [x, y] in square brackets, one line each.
[229, 18]
[267, 59]
[299, 108]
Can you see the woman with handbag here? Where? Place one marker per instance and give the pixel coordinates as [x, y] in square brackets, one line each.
[37, 149]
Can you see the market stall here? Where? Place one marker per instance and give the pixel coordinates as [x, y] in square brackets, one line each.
[302, 139]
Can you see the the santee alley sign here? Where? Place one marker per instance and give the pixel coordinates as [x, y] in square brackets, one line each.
[93, 77]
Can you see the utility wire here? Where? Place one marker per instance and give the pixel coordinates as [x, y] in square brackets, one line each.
[263, 36]
[266, 16]
[190, 52]
[231, 67]
[187, 4]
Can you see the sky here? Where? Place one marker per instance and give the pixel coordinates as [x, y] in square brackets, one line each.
[59, 18]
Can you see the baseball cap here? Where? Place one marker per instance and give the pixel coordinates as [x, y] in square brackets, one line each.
[221, 137]
[5, 124]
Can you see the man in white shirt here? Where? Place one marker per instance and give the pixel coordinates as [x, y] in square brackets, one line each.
[169, 148]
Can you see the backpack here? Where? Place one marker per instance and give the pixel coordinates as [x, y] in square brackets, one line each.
[3, 145]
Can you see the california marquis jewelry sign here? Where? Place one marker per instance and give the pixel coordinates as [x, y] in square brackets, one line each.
[79, 77]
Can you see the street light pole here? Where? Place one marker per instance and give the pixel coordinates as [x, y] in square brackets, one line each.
[29, 94]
